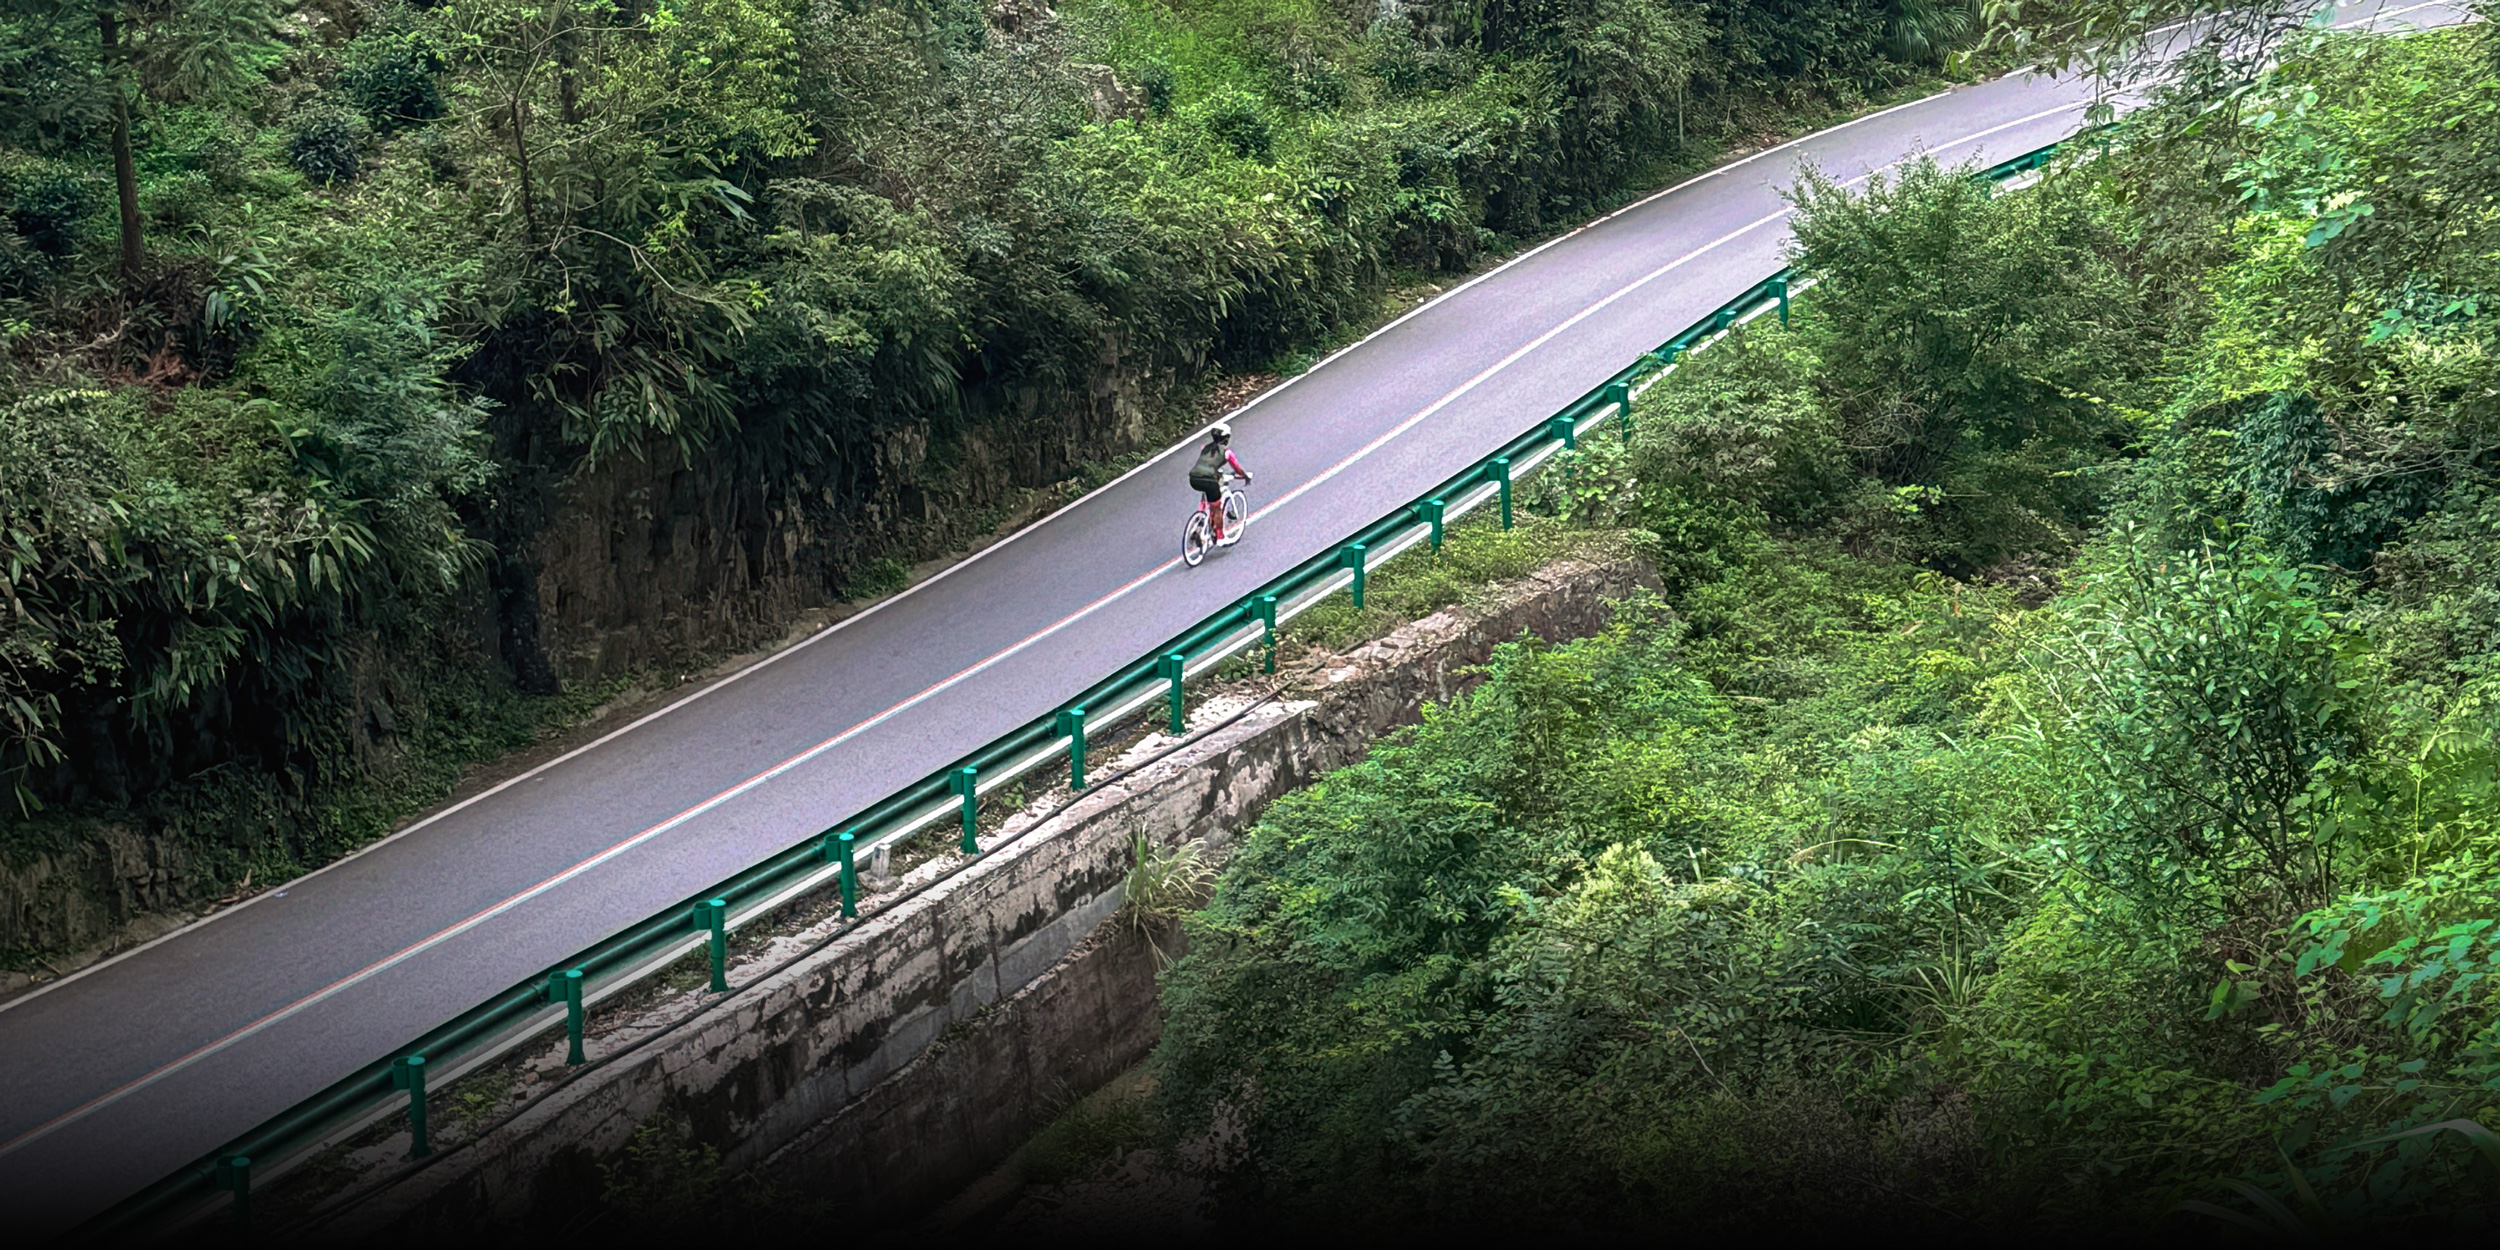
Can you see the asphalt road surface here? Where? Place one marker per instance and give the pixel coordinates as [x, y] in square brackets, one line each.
[114, 1077]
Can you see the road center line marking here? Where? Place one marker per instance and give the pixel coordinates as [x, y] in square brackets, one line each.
[457, 928]
[836, 627]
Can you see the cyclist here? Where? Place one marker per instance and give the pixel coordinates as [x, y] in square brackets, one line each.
[1207, 475]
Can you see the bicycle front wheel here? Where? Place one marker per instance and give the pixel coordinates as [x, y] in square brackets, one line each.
[1236, 516]
[1196, 538]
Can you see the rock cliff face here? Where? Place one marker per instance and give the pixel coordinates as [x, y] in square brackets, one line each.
[645, 558]
[648, 556]
[74, 896]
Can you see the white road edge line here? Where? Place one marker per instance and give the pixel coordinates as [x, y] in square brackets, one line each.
[377, 844]
[533, 773]
[611, 852]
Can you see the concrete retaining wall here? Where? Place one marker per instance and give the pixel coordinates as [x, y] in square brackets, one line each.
[901, 1062]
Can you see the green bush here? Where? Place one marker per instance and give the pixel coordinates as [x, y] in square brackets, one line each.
[2145, 878]
[391, 76]
[1970, 346]
[49, 210]
[1239, 120]
[21, 267]
[1157, 82]
[877, 579]
[325, 146]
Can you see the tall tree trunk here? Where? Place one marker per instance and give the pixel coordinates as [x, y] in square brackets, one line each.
[568, 86]
[125, 170]
[521, 158]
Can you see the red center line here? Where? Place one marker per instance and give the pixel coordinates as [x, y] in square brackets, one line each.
[457, 928]
[454, 930]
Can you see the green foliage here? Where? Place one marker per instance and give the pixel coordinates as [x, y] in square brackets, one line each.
[2204, 710]
[390, 72]
[1740, 428]
[2157, 882]
[1969, 346]
[49, 211]
[1926, 30]
[324, 146]
[1156, 81]
[1590, 486]
[1238, 119]
[1517, 961]
[2342, 387]
[878, 579]
[1477, 554]
[1163, 884]
[661, 1178]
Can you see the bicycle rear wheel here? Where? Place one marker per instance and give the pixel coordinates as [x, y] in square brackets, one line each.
[1196, 538]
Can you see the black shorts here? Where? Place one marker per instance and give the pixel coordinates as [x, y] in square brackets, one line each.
[1211, 487]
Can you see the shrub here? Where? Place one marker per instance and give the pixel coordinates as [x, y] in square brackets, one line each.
[1156, 80]
[390, 77]
[48, 211]
[20, 266]
[877, 579]
[1239, 119]
[324, 147]
[1969, 344]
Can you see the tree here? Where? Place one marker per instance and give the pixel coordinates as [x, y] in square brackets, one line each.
[2205, 706]
[2222, 43]
[156, 50]
[621, 132]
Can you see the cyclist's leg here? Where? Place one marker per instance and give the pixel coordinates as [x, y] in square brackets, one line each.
[1213, 506]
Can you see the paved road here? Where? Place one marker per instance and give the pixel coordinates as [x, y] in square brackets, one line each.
[113, 1078]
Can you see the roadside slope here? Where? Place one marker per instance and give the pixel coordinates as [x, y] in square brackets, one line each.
[142, 1064]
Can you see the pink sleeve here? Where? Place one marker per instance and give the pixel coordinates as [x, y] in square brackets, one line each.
[1235, 461]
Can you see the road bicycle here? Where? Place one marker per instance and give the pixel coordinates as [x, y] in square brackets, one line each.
[1198, 535]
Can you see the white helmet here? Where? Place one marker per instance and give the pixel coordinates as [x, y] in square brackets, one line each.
[1222, 432]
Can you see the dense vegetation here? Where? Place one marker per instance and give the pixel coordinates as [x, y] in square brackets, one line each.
[309, 308]
[2057, 787]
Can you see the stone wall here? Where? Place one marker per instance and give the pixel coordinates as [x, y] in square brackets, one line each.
[643, 559]
[895, 1065]
[106, 877]
[649, 556]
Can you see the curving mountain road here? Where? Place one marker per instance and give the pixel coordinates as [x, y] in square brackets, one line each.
[116, 1076]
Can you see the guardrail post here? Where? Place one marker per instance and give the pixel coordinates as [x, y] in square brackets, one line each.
[234, 1175]
[1072, 723]
[850, 876]
[836, 848]
[1433, 510]
[1779, 287]
[566, 987]
[1667, 353]
[1565, 429]
[966, 781]
[1352, 557]
[1175, 668]
[1501, 479]
[409, 1074]
[1620, 395]
[1264, 607]
[1722, 319]
[713, 914]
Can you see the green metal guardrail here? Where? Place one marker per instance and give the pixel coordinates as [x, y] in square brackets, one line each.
[557, 997]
